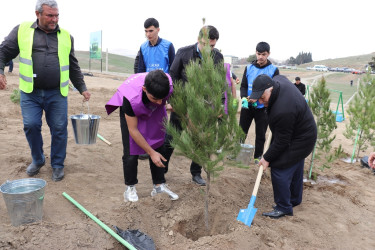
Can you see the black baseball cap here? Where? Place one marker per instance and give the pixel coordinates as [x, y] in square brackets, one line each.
[260, 84]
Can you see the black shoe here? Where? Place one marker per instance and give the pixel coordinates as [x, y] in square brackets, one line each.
[275, 214]
[199, 180]
[33, 169]
[143, 157]
[57, 174]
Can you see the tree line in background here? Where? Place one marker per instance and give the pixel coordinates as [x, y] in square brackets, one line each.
[303, 57]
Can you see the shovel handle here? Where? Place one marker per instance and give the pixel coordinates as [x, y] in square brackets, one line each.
[260, 172]
[257, 181]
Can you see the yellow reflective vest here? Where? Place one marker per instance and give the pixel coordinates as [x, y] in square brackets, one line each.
[25, 44]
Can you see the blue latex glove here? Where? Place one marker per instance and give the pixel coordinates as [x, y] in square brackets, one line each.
[254, 104]
[244, 103]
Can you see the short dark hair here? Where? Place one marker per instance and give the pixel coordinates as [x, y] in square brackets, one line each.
[213, 33]
[151, 22]
[298, 79]
[263, 47]
[157, 84]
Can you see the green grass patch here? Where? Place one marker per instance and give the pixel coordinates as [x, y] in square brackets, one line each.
[116, 63]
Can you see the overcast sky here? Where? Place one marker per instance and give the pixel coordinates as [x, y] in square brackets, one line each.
[326, 28]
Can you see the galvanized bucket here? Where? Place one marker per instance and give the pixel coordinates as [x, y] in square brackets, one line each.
[85, 127]
[246, 154]
[24, 200]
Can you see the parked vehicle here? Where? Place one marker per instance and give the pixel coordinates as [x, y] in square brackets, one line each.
[320, 68]
[357, 72]
[347, 70]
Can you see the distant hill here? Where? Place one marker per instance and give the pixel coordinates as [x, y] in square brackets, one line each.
[116, 63]
[356, 62]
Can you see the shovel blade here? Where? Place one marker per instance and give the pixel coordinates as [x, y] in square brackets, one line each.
[247, 215]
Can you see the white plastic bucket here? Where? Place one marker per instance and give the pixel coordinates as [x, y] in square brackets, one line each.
[24, 200]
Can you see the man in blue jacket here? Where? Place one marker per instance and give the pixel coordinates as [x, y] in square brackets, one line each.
[155, 53]
[293, 138]
[257, 112]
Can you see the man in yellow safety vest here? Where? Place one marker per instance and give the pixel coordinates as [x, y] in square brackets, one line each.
[46, 64]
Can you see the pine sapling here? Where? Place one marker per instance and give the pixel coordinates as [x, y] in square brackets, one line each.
[362, 114]
[209, 134]
[326, 122]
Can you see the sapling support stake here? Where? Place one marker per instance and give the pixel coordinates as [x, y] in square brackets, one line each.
[312, 162]
[104, 226]
[355, 144]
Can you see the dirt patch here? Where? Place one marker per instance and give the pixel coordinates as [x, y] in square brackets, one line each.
[338, 212]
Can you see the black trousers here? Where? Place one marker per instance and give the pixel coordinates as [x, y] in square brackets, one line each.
[261, 123]
[195, 169]
[287, 184]
[130, 162]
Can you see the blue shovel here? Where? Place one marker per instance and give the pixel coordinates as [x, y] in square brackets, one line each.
[247, 215]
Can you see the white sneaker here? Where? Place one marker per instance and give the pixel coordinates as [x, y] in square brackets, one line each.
[163, 188]
[130, 194]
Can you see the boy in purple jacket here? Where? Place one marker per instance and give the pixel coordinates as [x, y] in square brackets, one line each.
[142, 99]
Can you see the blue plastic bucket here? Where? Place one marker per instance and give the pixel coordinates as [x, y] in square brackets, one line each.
[24, 200]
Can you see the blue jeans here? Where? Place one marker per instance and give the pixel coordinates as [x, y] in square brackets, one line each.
[55, 107]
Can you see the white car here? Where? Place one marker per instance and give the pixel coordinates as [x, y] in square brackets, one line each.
[320, 68]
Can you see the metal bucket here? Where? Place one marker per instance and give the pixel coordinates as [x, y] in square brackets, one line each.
[246, 154]
[85, 128]
[24, 200]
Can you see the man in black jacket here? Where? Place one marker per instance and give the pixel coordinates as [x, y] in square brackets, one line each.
[300, 86]
[183, 57]
[294, 135]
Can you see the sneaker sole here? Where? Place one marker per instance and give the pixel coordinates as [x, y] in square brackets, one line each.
[174, 199]
[126, 200]
[153, 194]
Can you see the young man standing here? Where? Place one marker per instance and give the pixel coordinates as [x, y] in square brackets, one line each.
[300, 86]
[142, 99]
[256, 111]
[155, 53]
[178, 72]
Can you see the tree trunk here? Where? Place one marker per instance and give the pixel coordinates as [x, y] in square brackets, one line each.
[207, 198]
